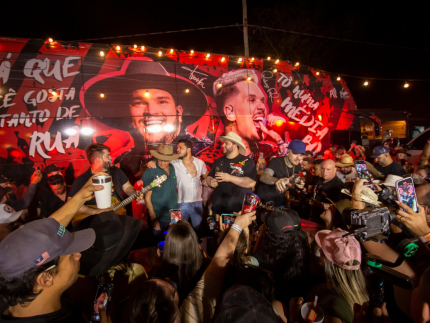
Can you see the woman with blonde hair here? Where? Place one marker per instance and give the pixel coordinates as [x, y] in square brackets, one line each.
[345, 283]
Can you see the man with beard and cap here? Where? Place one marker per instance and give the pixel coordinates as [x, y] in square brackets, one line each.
[276, 178]
[385, 164]
[99, 158]
[190, 171]
[7, 196]
[232, 176]
[346, 167]
[153, 103]
[242, 107]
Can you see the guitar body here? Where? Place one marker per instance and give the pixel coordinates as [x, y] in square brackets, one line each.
[114, 201]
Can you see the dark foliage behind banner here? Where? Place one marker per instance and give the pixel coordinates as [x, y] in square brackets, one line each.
[58, 97]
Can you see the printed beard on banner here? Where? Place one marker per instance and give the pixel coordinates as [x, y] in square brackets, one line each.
[57, 98]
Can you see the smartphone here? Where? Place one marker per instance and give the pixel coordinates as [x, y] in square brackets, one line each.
[103, 296]
[269, 205]
[406, 193]
[37, 170]
[261, 155]
[362, 172]
[175, 216]
[228, 218]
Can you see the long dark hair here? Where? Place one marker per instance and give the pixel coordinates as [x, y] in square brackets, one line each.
[150, 303]
[238, 260]
[182, 256]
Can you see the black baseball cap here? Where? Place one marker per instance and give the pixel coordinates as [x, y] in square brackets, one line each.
[52, 168]
[283, 221]
[38, 242]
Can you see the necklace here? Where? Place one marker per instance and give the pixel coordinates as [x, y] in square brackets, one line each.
[286, 166]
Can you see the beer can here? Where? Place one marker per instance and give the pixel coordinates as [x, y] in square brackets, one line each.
[250, 202]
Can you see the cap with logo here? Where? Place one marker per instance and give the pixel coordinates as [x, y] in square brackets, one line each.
[38, 242]
[378, 151]
[297, 147]
[8, 214]
[281, 222]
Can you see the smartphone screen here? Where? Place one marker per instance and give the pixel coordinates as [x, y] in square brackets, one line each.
[175, 216]
[103, 296]
[362, 171]
[269, 205]
[228, 218]
[406, 193]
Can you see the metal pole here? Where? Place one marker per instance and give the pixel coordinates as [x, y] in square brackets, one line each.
[245, 28]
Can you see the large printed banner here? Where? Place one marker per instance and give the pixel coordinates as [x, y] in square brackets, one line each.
[58, 97]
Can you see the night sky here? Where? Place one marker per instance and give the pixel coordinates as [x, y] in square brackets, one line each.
[387, 23]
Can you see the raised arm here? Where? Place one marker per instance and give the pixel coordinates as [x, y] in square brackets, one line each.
[423, 161]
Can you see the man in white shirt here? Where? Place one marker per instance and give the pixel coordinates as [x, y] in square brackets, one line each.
[189, 174]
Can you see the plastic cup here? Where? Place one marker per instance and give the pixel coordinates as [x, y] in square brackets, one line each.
[103, 197]
[305, 309]
[250, 202]
[161, 246]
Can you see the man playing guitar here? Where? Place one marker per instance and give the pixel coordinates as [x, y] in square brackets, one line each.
[99, 158]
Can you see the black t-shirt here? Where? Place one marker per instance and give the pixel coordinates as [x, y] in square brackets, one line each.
[269, 192]
[394, 169]
[228, 197]
[332, 190]
[67, 314]
[49, 202]
[118, 178]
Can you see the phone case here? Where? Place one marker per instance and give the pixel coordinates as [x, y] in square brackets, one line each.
[406, 193]
[175, 216]
[103, 296]
[362, 171]
[228, 218]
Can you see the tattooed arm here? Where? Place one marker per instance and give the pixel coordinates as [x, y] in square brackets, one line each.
[267, 177]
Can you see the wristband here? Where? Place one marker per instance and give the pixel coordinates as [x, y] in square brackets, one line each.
[425, 238]
[261, 168]
[237, 228]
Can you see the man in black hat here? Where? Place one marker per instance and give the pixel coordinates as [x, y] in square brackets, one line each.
[385, 165]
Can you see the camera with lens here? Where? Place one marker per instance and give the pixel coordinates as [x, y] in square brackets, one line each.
[369, 223]
[386, 196]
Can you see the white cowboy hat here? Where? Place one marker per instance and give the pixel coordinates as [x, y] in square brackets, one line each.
[236, 139]
[391, 180]
[367, 196]
[164, 152]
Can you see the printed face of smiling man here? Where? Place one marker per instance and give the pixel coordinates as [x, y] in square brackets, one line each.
[246, 108]
[155, 115]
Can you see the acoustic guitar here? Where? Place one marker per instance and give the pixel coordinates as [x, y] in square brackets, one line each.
[119, 206]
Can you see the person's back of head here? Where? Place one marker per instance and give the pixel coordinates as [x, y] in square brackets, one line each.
[151, 302]
[241, 248]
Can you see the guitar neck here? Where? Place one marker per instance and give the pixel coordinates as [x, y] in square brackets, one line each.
[133, 197]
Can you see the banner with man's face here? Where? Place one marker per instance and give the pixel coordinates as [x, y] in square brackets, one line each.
[58, 97]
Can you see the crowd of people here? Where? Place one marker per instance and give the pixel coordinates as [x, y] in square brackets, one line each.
[300, 256]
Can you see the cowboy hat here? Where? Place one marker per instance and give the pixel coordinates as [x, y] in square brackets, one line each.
[345, 161]
[115, 235]
[138, 74]
[402, 151]
[367, 196]
[235, 139]
[391, 180]
[164, 152]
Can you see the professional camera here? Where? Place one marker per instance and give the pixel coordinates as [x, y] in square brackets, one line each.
[369, 223]
[386, 196]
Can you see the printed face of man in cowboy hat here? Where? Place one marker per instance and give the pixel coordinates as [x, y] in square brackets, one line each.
[154, 99]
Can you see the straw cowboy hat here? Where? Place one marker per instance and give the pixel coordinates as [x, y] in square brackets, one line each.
[236, 139]
[367, 196]
[345, 161]
[164, 152]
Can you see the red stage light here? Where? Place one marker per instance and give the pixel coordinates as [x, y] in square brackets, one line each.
[279, 123]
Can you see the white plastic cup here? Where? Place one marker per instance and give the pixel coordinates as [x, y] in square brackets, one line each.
[305, 309]
[103, 197]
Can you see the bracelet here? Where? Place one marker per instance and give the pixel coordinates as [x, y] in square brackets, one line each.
[261, 168]
[237, 228]
[425, 238]
[280, 142]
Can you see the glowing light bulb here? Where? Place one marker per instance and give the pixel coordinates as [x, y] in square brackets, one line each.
[171, 51]
[118, 47]
[71, 132]
[208, 55]
[219, 84]
[406, 85]
[297, 64]
[154, 129]
[86, 131]
[54, 93]
[317, 73]
[142, 47]
[135, 46]
[223, 59]
[240, 59]
[268, 58]
[102, 95]
[168, 128]
[50, 40]
[275, 70]
[187, 91]
[249, 78]
[102, 53]
[159, 53]
[279, 123]
[366, 83]
[252, 59]
[146, 93]
[319, 117]
[192, 52]
[277, 61]
[338, 78]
